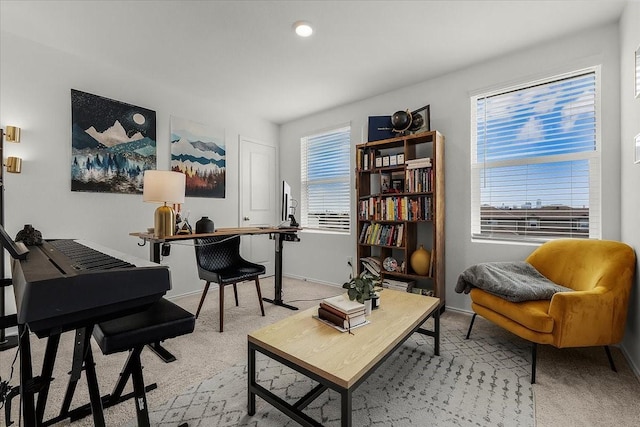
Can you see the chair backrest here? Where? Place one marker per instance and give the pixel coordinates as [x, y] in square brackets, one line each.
[218, 252]
[583, 265]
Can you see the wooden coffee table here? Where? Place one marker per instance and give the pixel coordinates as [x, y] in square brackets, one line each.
[338, 360]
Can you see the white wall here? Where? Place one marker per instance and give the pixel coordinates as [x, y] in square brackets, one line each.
[448, 97]
[630, 172]
[35, 83]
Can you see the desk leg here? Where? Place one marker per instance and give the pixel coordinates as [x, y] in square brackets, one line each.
[277, 299]
[154, 250]
[27, 395]
[164, 354]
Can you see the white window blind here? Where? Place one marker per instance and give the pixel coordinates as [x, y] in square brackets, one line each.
[325, 180]
[535, 160]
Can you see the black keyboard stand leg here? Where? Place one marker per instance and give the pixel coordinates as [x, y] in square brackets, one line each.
[94, 391]
[161, 352]
[83, 359]
[47, 370]
[125, 374]
[116, 396]
[76, 371]
[142, 412]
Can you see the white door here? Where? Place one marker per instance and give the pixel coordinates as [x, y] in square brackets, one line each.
[258, 197]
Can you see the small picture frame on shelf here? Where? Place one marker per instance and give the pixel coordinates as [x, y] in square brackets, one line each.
[424, 120]
[378, 162]
[385, 161]
[393, 160]
[400, 159]
[385, 182]
[397, 185]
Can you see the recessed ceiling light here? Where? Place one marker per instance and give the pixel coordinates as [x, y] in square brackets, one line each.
[302, 28]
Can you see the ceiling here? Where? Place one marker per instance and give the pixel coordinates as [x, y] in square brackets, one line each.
[244, 54]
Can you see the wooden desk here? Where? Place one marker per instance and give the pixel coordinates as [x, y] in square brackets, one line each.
[279, 235]
[338, 360]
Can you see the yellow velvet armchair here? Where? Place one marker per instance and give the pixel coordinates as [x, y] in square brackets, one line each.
[600, 272]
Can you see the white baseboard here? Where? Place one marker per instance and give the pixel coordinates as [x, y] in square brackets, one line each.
[633, 367]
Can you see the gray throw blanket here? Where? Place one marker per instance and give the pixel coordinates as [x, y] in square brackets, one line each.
[514, 281]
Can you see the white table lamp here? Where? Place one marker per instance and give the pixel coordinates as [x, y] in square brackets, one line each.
[164, 187]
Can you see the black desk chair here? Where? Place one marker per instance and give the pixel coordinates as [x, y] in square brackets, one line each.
[219, 261]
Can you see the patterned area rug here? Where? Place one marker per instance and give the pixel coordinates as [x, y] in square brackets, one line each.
[483, 381]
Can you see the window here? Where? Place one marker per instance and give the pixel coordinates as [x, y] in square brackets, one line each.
[326, 180]
[535, 160]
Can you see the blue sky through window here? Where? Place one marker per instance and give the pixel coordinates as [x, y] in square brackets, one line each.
[518, 132]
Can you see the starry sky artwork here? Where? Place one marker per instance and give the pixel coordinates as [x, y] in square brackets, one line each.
[113, 143]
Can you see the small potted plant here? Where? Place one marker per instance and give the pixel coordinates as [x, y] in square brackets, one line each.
[362, 289]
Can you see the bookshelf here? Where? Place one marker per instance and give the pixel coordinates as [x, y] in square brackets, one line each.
[400, 206]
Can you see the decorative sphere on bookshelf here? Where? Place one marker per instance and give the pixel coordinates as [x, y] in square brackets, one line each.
[420, 260]
[390, 264]
[401, 120]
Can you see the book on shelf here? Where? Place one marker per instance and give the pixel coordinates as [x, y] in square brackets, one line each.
[347, 323]
[372, 264]
[344, 304]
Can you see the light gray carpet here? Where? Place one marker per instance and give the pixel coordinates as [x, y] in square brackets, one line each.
[478, 382]
[575, 387]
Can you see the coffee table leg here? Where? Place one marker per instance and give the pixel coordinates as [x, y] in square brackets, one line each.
[346, 407]
[251, 375]
[436, 334]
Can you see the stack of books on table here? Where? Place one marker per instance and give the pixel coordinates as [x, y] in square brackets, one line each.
[342, 313]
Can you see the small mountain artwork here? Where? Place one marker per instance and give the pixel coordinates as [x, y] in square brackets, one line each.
[112, 144]
[199, 152]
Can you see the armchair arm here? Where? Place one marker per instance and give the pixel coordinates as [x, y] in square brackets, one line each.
[589, 318]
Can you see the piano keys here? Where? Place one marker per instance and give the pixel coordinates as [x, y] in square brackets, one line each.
[66, 284]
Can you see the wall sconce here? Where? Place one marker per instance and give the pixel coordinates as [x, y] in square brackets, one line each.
[12, 134]
[164, 187]
[14, 164]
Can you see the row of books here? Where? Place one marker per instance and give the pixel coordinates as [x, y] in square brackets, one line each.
[419, 180]
[364, 159]
[382, 234]
[342, 313]
[396, 208]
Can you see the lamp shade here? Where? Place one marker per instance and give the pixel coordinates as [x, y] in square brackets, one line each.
[163, 186]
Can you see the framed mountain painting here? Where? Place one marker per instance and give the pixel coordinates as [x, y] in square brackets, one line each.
[112, 144]
[198, 151]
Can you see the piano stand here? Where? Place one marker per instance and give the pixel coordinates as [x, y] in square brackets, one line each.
[6, 321]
